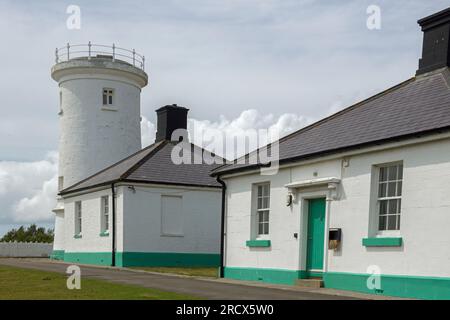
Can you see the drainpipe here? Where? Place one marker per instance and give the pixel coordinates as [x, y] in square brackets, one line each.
[222, 227]
[113, 227]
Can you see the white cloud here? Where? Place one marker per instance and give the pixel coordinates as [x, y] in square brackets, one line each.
[148, 132]
[28, 190]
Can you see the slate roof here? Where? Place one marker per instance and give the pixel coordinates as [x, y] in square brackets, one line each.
[417, 106]
[152, 164]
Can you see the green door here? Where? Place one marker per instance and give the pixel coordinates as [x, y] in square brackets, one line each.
[316, 234]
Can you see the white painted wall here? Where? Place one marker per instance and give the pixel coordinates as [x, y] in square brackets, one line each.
[201, 210]
[91, 241]
[25, 249]
[425, 217]
[138, 221]
[59, 239]
[92, 137]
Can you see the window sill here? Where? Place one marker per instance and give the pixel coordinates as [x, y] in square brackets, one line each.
[105, 108]
[258, 243]
[77, 236]
[104, 234]
[382, 242]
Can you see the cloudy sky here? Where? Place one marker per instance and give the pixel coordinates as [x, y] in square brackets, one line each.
[236, 64]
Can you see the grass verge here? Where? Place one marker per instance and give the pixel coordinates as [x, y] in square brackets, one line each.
[27, 284]
[193, 271]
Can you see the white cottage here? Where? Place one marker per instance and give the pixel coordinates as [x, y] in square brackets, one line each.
[360, 194]
[145, 210]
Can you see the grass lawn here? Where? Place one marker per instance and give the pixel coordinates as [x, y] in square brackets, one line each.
[193, 271]
[17, 283]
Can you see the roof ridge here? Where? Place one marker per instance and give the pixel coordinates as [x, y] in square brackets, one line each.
[157, 147]
[155, 144]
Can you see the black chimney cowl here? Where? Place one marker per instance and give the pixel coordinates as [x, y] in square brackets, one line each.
[170, 118]
[436, 44]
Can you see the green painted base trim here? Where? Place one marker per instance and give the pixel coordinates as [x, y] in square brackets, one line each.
[257, 243]
[167, 259]
[77, 236]
[104, 234]
[57, 255]
[392, 285]
[98, 258]
[145, 259]
[278, 276]
[382, 242]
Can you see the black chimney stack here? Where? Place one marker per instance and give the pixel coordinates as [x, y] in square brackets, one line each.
[436, 45]
[170, 118]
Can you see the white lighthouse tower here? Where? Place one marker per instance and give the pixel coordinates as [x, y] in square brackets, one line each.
[99, 115]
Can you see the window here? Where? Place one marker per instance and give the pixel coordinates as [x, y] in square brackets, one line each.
[77, 217]
[105, 213]
[262, 209]
[108, 97]
[389, 196]
[171, 215]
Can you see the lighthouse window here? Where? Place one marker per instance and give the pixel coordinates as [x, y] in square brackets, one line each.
[78, 217]
[108, 95]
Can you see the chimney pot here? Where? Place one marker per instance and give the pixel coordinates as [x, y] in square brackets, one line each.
[169, 119]
[436, 44]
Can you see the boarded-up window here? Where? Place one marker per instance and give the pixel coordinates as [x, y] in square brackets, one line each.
[171, 215]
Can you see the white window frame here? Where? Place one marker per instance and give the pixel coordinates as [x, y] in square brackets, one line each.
[262, 210]
[108, 93]
[105, 210]
[397, 183]
[78, 215]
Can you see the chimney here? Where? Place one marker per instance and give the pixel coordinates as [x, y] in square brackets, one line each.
[170, 118]
[436, 45]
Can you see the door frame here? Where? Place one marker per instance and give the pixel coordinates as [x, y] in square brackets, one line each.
[304, 198]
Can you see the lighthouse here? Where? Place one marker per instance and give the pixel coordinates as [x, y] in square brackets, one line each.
[99, 113]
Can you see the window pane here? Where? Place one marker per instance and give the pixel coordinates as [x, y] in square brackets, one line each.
[110, 99]
[383, 174]
[393, 206]
[260, 203]
[383, 207]
[399, 188]
[266, 190]
[259, 191]
[266, 231]
[399, 205]
[382, 190]
[382, 223]
[260, 228]
[392, 222]
[398, 222]
[104, 98]
[265, 203]
[392, 173]
[391, 189]
[400, 172]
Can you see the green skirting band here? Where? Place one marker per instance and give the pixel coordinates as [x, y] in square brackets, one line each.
[278, 276]
[390, 285]
[57, 255]
[147, 259]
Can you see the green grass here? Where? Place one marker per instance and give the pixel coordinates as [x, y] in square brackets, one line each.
[18, 283]
[193, 271]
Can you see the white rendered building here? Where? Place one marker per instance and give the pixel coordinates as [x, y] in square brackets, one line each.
[360, 201]
[120, 205]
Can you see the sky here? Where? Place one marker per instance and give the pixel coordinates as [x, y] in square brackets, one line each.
[236, 64]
